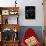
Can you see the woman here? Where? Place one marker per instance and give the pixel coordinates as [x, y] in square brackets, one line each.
[30, 38]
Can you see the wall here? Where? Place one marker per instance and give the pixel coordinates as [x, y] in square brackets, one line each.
[39, 13]
[22, 21]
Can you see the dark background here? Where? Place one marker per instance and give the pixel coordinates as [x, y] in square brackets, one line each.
[30, 12]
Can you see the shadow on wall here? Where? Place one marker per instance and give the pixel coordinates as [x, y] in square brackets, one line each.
[37, 29]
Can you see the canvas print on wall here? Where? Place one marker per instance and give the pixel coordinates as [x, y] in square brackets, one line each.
[29, 12]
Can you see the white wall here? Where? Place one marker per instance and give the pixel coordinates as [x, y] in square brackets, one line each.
[39, 13]
[22, 3]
